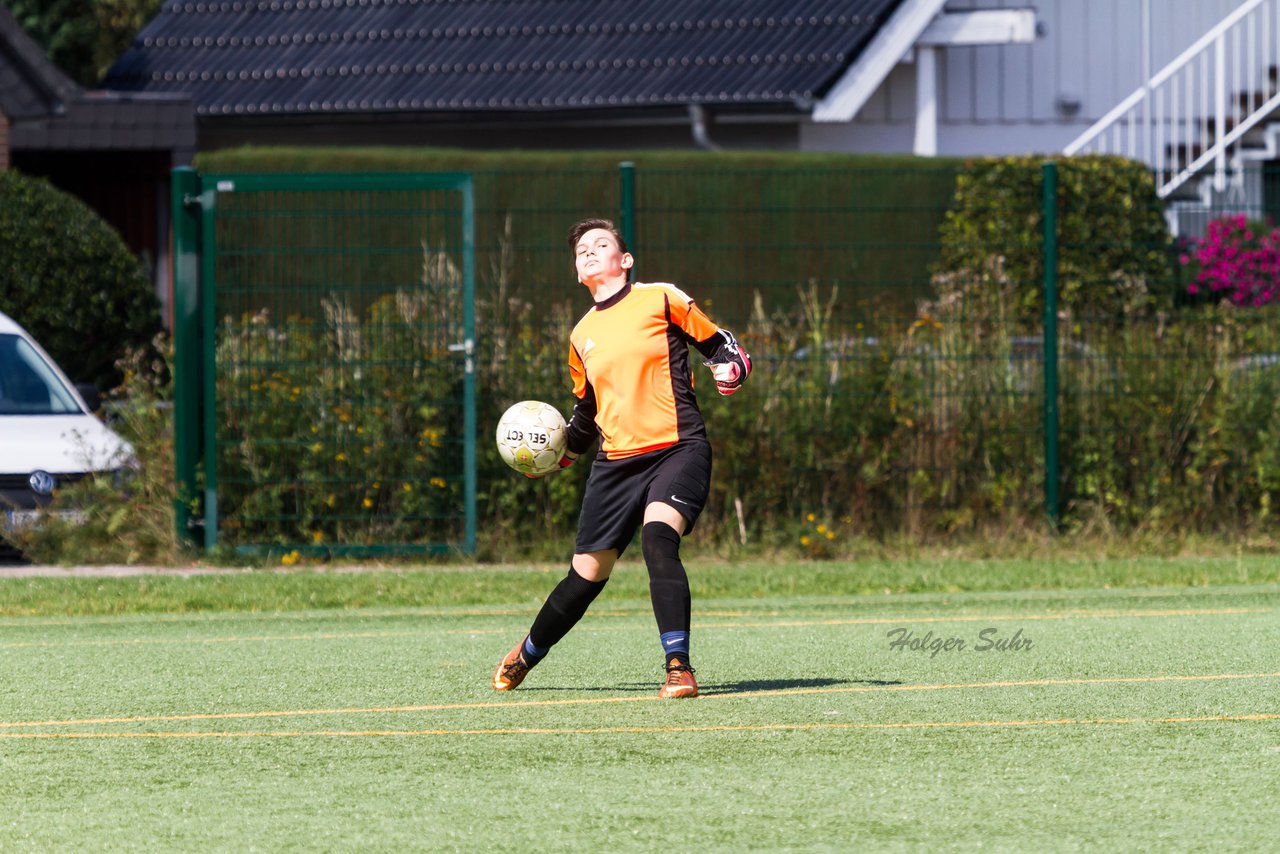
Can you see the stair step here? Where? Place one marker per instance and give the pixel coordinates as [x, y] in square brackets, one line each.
[1184, 153]
[1251, 101]
[1187, 191]
[1211, 124]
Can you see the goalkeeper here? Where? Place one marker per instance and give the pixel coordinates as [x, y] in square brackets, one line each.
[629, 359]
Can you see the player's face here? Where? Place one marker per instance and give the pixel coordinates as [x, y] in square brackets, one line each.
[598, 258]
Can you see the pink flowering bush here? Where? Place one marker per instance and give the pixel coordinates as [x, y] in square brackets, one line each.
[1237, 259]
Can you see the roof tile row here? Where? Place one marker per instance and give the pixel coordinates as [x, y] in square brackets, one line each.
[289, 56]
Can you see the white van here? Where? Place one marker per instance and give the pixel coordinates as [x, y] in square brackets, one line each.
[49, 436]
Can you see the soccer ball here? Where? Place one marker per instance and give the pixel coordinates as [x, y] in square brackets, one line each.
[532, 437]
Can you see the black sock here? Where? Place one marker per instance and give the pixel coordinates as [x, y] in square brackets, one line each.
[561, 612]
[668, 588]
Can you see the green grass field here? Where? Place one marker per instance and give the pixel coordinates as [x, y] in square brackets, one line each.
[1139, 718]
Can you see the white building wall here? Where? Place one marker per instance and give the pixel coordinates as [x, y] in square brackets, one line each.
[1026, 98]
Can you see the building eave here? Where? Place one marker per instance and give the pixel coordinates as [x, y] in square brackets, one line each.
[891, 42]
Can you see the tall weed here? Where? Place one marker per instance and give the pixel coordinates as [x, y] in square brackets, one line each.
[346, 429]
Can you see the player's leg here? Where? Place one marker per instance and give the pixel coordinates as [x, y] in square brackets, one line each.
[569, 601]
[668, 581]
[561, 611]
[610, 513]
[595, 566]
[676, 498]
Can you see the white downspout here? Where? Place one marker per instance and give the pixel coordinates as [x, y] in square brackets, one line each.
[698, 120]
[1148, 115]
[926, 141]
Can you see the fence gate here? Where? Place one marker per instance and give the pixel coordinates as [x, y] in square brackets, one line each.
[324, 360]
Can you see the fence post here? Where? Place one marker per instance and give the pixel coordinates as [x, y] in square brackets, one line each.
[184, 205]
[469, 379]
[209, 366]
[627, 213]
[1049, 346]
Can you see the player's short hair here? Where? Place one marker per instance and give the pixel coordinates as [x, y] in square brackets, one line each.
[581, 228]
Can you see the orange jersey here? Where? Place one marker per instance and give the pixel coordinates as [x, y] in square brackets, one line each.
[629, 358]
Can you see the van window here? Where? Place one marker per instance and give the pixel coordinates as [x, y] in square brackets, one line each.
[28, 386]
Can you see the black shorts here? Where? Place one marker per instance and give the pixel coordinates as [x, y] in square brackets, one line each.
[619, 490]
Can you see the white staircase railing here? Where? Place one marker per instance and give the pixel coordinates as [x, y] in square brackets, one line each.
[1196, 109]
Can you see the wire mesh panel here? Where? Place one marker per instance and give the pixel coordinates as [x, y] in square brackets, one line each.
[342, 392]
[870, 234]
[867, 397]
[895, 313]
[857, 411]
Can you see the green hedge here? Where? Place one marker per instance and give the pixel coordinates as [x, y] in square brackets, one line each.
[68, 278]
[1114, 250]
[723, 224]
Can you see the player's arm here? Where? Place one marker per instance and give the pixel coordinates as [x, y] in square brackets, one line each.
[730, 364]
[581, 430]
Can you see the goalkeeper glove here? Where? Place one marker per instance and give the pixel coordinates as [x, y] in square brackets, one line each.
[730, 365]
[565, 462]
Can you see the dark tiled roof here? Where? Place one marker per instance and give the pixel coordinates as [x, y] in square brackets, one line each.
[108, 121]
[48, 111]
[30, 85]
[307, 56]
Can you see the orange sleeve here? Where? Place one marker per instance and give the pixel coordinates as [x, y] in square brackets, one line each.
[686, 314]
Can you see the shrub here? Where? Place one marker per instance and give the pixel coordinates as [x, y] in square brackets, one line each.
[1113, 244]
[1237, 260]
[1170, 423]
[336, 432]
[68, 278]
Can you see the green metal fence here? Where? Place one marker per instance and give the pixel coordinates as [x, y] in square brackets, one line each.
[335, 357]
[892, 392]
